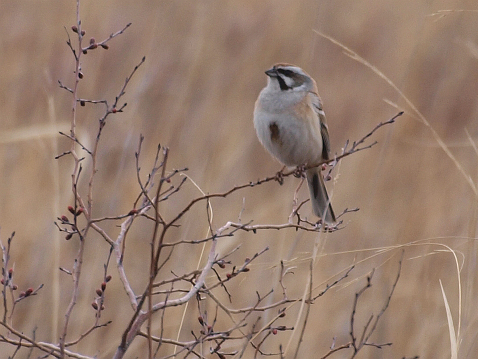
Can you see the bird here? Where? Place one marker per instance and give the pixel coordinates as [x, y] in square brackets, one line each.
[290, 123]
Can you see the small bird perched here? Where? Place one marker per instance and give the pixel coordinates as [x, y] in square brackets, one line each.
[290, 123]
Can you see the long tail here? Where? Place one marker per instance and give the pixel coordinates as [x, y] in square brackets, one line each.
[319, 197]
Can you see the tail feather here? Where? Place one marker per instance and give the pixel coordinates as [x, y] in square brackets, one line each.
[319, 197]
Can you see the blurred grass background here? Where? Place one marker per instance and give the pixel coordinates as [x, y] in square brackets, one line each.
[205, 63]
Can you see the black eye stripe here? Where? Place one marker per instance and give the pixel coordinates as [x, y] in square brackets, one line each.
[287, 73]
[282, 84]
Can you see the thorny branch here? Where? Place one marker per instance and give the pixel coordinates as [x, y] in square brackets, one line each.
[278, 177]
[195, 278]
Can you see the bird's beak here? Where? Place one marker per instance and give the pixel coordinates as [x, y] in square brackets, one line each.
[272, 72]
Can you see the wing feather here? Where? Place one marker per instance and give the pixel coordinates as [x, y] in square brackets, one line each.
[324, 130]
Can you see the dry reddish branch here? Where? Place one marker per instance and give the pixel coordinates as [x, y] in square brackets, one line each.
[370, 326]
[85, 208]
[246, 329]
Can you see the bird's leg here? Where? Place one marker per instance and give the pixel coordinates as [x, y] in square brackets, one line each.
[300, 171]
[280, 176]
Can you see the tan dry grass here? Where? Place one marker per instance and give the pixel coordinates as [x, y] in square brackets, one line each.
[195, 94]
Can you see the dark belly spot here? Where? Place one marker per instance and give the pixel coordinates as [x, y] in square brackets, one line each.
[275, 133]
